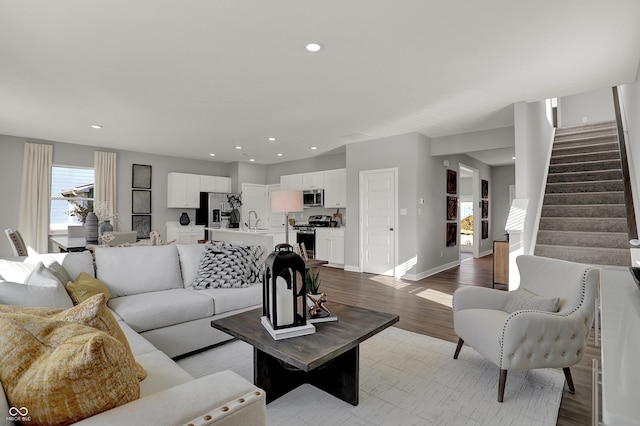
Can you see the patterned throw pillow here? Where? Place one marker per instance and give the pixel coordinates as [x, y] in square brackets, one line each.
[92, 313]
[228, 265]
[61, 371]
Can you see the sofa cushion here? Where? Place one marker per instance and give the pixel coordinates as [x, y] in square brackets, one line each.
[15, 271]
[190, 255]
[86, 286]
[41, 288]
[230, 299]
[73, 263]
[158, 309]
[164, 373]
[136, 270]
[522, 299]
[60, 370]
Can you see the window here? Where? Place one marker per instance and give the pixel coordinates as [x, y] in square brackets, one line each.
[71, 196]
[466, 223]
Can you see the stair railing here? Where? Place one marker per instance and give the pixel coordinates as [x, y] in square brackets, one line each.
[628, 195]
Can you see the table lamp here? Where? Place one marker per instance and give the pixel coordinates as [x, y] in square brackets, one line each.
[286, 202]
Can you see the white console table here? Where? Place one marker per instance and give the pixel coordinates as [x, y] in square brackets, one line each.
[620, 314]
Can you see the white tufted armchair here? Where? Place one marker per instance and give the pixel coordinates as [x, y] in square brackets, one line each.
[528, 338]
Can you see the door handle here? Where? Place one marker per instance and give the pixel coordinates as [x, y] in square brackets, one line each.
[390, 229]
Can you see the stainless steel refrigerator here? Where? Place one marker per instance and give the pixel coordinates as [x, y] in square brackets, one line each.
[213, 211]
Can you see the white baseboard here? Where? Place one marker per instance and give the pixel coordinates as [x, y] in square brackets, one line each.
[485, 253]
[352, 268]
[434, 271]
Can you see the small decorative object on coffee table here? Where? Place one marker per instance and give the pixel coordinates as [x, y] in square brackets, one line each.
[284, 295]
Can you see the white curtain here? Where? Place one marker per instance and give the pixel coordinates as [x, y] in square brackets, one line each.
[36, 196]
[104, 192]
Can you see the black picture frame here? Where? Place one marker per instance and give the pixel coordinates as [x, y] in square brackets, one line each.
[485, 209]
[140, 201]
[452, 182]
[142, 225]
[452, 234]
[485, 229]
[485, 188]
[141, 176]
[452, 208]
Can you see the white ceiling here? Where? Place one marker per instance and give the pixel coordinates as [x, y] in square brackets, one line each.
[198, 77]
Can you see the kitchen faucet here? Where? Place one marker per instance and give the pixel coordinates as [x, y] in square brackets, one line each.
[257, 220]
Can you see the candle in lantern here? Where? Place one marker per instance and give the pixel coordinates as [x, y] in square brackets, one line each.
[284, 302]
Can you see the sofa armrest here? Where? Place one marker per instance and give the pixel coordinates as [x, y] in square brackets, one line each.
[190, 402]
[479, 298]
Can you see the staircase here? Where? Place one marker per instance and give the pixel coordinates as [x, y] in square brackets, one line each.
[583, 213]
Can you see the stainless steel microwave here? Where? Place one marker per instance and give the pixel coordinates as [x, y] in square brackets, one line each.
[313, 198]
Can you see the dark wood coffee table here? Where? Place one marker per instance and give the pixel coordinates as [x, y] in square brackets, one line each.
[327, 359]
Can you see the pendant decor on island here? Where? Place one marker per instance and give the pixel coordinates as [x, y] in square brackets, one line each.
[184, 219]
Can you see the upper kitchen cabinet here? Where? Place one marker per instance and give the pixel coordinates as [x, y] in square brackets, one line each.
[215, 184]
[314, 180]
[335, 188]
[291, 182]
[183, 190]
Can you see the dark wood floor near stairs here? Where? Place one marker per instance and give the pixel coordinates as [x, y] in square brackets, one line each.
[425, 307]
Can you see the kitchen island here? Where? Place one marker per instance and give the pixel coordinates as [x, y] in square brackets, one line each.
[268, 238]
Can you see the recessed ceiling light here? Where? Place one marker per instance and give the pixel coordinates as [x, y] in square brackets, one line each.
[238, 147]
[96, 126]
[314, 147]
[279, 154]
[313, 47]
[513, 158]
[272, 139]
[252, 159]
[212, 155]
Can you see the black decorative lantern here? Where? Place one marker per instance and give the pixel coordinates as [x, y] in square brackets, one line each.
[284, 294]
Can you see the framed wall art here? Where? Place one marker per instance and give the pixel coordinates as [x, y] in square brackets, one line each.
[452, 182]
[452, 234]
[452, 208]
[485, 188]
[142, 225]
[141, 176]
[140, 202]
[485, 209]
[485, 229]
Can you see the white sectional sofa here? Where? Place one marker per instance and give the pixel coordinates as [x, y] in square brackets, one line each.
[162, 316]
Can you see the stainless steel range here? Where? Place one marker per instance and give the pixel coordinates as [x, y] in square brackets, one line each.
[306, 232]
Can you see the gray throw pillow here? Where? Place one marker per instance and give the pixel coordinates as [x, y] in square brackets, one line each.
[226, 265]
[522, 299]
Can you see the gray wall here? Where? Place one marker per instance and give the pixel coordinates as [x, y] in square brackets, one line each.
[595, 106]
[65, 154]
[501, 178]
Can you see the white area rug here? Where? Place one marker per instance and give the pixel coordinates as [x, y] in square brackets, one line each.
[410, 379]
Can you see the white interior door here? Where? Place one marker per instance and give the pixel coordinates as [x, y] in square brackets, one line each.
[378, 221]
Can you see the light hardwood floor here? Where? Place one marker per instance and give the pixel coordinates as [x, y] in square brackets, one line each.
[425, 307]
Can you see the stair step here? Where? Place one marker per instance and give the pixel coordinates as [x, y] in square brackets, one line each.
[580, 173]
[587, 128]
[585, 186]
[583, 224]
[560, 149]
[587, 210]
[589, 198]
[591, 166]
[584, 140]
[588, 255]
[584, 239]
[584, 158]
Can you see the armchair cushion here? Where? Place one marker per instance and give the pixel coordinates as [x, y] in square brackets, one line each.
[522, 299]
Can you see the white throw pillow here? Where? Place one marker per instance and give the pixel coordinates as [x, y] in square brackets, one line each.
[522, 299]
[41, 288]
[15, 271]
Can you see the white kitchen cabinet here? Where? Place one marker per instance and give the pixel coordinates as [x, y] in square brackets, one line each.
[313, 180]
[335, 188]
[291, 182]
[215, 184]
[184, 234]
[183, 190]
[330, 245]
